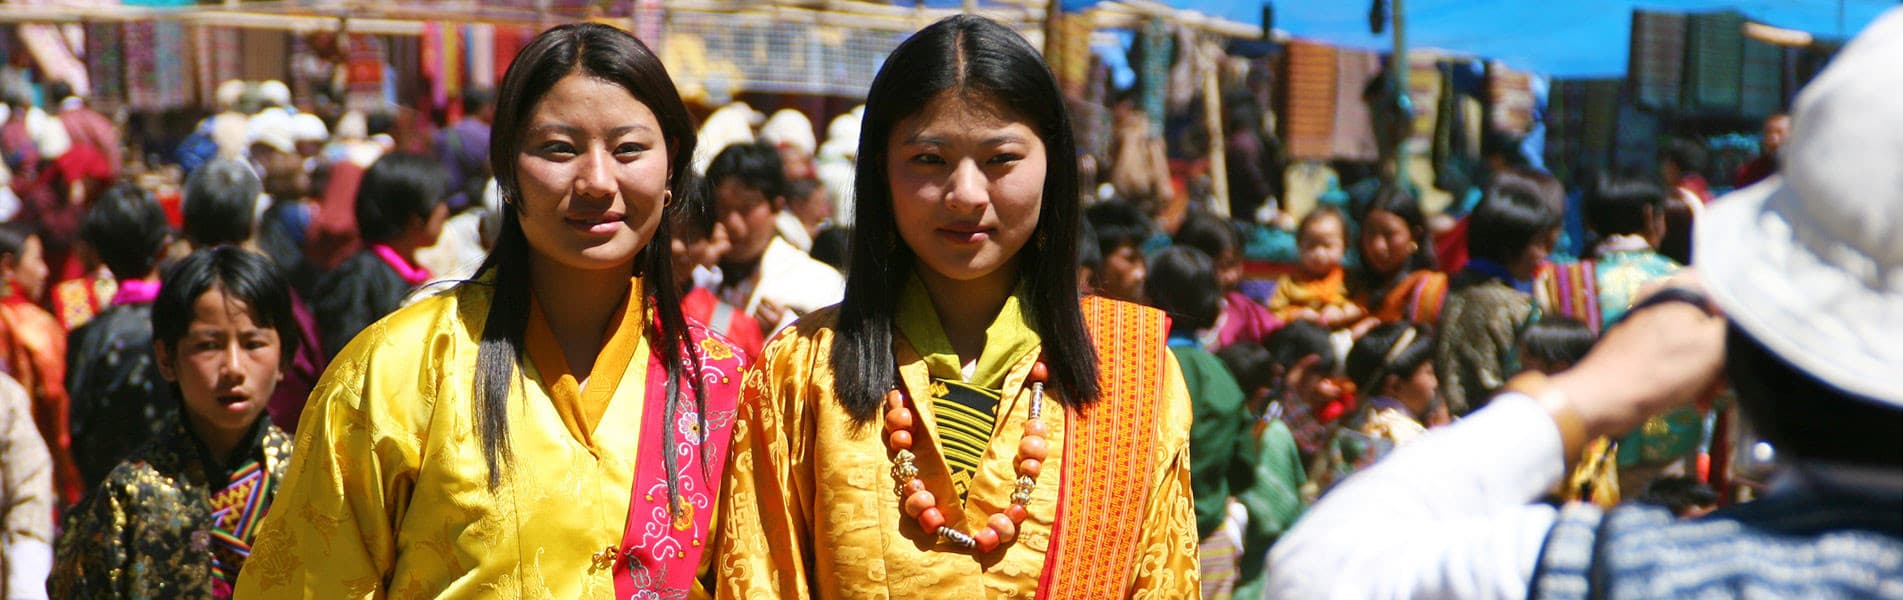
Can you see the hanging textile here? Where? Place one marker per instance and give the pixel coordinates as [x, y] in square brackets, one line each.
[1601, 112]
[1423, 92]
[55, 58]
[364, 74]
[220, 55]
[1635, 137]
[1308, 107]
[1353, 136]
[157, 75]
[266, 55]
[648, 20]
[1657, 57]
[441, 49]
[405, 54]
[1512, 99]
[1153, 73]
[1763, 79]
[509, 40]
[1072, 64]
[1714, 61]
[105, 62]
[479, 55]
[141, 58]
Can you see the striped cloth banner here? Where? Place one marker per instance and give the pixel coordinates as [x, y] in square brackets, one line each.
[1308, 113]
[106, 63]
[1763, 79]
[1714, 61]
[1657, 57]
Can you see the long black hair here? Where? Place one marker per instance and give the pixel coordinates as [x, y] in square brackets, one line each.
[968, 55]
[1395, 200]
[614, 56]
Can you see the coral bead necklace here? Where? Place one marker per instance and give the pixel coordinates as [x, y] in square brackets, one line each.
[920, 504]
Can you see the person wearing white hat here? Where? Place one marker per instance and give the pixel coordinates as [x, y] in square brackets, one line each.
[1797, 298]
[274, 93]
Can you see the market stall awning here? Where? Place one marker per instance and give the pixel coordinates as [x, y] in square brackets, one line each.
[1561, 38]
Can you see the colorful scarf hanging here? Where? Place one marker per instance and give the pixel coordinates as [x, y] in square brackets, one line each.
[481, 54]
[105, 60]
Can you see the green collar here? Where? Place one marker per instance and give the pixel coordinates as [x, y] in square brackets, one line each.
[1012, 334]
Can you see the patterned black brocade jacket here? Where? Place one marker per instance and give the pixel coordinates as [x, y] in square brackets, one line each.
[118, 399]
[145, 531]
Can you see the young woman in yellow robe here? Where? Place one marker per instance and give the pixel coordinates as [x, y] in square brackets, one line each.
[553, 428]
[1049, 454]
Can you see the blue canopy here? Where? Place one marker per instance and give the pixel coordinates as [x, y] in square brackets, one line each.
[1562, 38]
[1558, 38]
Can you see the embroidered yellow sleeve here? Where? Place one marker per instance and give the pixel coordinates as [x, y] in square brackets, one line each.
[330, 530]
[1167, 566]
[763, 526]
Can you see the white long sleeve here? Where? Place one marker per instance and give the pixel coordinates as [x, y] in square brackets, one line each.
[1452, 515]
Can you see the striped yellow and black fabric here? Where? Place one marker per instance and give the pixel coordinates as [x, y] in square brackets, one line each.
[966, 414]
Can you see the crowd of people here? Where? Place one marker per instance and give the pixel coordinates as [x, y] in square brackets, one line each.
[573, 350]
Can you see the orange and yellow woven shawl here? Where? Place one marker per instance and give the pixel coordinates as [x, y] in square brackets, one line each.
[1108, 457]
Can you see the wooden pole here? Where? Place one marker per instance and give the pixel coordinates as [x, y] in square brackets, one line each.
[1397, 69]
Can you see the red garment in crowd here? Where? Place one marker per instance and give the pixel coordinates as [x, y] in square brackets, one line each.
[66, 187]
[737, 326]
[89, 128]
[1451, 247]
[33, 352]
[333, 235]
[1755, 171]
[1697, 185]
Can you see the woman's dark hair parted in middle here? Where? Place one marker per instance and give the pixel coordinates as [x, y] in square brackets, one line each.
[987, 62]
[612, 55]
[395, 189]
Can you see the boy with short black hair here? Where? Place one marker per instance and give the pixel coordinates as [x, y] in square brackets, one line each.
[178, 516]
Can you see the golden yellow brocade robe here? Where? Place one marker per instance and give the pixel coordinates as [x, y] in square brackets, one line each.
[388, 491]
[811, 513]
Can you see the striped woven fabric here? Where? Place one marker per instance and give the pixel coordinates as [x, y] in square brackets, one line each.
[1308, 113]
[1657, 57]
[966, 415]
[1354, 125]
[1714, 61]
[105, 62]
[218, 57]
[266, 55]
[1763, 79]
[1512, 92]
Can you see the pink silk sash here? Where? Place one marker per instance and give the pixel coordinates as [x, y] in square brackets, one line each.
[661, 548]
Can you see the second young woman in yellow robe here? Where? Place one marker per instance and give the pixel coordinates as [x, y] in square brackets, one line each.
[494, 440]
[962, 310]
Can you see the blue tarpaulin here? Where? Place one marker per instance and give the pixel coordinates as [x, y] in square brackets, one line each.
[1559, 38]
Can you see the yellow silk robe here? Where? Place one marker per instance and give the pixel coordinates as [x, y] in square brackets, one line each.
[810, 511]
[388, 490]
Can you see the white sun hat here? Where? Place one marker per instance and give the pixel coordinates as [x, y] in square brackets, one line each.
[1811, 263]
